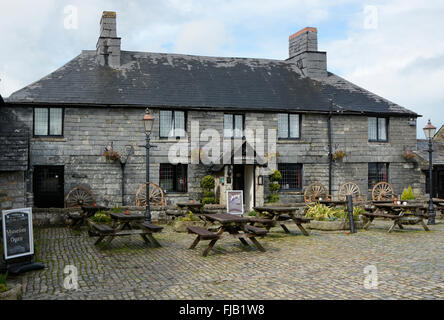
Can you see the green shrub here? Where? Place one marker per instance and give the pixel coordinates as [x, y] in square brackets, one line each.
[407, 194]
[208, 182]
[117, 209]
[209, 201]
[101, 217]
[321, 212]
[3, 287]
[273, 198]
[275, 175]
[189, 217]
[252, 213]
[208, 194]
[274, 186]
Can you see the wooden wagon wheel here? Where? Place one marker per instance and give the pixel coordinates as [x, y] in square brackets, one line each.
[157, 196]
[382, 191]
[349, 189]
[315, 191]
[79, 196]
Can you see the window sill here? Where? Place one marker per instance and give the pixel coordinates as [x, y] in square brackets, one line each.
[291, 141]
[48, 139]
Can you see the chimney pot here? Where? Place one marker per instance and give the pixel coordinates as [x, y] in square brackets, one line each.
[108, 44]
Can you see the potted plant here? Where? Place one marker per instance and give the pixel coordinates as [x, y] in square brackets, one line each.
[181, 224]
[208, 183]
[9, 292]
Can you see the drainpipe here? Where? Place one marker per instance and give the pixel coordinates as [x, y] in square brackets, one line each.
[330, 151]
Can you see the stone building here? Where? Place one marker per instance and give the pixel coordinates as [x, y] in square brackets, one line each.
[14, 140]
[98, 100]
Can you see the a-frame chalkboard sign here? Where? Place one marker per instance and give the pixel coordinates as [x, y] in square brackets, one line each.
[18, 241]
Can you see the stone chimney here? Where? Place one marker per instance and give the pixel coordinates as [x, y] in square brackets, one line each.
[108, 44]
[303, 50]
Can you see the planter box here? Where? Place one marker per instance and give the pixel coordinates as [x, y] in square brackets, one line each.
[181, 226]
[14, 293]
[332, 225]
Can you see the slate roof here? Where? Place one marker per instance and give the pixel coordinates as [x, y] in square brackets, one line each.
[174, 80]
[13, 142]
[438, 151]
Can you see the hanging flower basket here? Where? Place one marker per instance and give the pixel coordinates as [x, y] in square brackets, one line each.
[338, 155]
[408, 155]
[111, 155]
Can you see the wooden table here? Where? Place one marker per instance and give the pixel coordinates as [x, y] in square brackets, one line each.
[439, 203]
[195, 208]
[333, 203]
[397, 213]
[281, 214]
[87, 212]
[234, 225]
[126, 225]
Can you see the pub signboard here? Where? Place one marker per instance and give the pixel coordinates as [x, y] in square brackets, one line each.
[235, 202]
[18, 238]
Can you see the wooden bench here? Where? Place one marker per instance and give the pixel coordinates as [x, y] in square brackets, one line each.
[152, 227]
[257, 231]
[397, 219]
[203, 234]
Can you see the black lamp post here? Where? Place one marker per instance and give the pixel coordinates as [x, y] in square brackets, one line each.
[429, 131]
[148, 122]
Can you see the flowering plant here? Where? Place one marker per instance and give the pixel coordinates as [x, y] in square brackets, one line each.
[110, 154]
[408, 154]
[339, 155]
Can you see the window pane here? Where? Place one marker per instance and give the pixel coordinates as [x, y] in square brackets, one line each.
[282, 125]
[294, 126]
[181, 171]
[179, 123]
[377, 172]
[382, 129]
[228, 125]
[41, 121]
[55, 121]
[166, 122]
[238, 126]
[372, 134]
[291, 176]
[166, 176]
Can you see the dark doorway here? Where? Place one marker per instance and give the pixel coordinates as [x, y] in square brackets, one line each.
[440, 181]
[48, 186]
[238, 178]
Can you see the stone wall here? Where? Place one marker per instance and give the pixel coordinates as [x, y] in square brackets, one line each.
[12, 190]
[87, 131]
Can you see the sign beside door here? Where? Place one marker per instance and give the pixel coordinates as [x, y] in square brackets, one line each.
[18, 239]
[235, 202]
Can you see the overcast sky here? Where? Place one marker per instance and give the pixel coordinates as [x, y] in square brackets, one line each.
[392, 48]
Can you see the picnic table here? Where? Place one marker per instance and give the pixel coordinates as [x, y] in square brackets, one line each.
[439, 203]
[398, 213]
[126, 225]
[78, 218]
[233, 225]
[281, 214]
[333, 203]
[195, 208]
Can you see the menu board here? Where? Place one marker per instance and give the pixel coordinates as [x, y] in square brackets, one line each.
[235, 202]
[18, 239]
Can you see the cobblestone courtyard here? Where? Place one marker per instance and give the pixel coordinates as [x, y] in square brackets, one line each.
[325, 265]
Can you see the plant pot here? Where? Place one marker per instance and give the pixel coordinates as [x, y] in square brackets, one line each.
[181, 226]
[336, 225]
[15, 292]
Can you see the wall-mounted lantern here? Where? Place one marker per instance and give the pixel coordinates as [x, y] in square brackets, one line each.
[260, 180]
[412, 121]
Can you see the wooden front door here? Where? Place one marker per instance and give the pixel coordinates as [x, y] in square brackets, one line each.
[48, 186]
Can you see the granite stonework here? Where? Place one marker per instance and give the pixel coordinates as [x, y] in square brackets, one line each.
[87, 131]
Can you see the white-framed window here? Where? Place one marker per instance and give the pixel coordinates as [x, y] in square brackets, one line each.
[377, 129]
[172, 123]
[48, 121]
[233, 125]
[289, 126]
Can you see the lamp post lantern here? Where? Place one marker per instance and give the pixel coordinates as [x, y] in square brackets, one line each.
[148, 121]
[429, 131]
